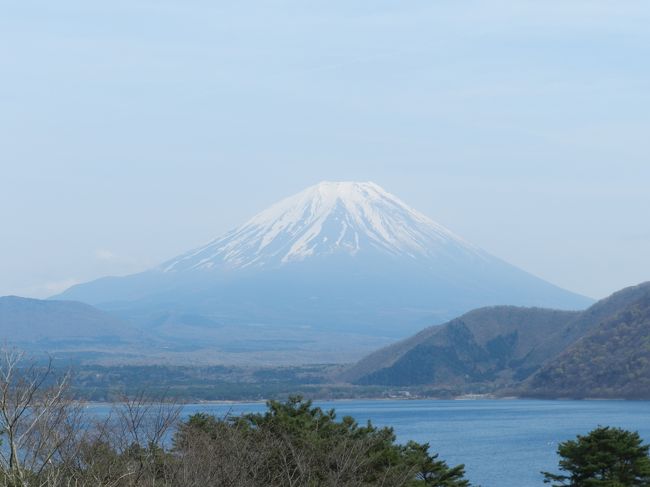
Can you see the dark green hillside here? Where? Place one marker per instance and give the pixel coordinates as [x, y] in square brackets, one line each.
[498, 344]
[611, 361]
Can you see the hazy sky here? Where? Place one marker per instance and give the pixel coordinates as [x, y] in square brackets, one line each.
[133, 130]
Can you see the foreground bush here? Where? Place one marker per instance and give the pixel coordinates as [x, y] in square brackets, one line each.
[294, 443]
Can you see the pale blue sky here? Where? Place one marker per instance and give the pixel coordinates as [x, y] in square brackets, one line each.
[133, 130]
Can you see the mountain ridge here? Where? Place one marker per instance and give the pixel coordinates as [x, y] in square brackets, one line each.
[528, 351]
[32, 323]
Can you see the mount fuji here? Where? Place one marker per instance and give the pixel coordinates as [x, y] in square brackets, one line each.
[341, 257]
[357, 220]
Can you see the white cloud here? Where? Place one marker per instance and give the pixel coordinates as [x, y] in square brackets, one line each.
[104, 254]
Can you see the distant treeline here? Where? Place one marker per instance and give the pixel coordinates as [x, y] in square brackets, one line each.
[215, 383]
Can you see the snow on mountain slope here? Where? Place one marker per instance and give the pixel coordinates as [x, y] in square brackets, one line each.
[328, 218]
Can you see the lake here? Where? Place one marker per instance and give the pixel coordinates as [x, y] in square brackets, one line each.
[503, 443]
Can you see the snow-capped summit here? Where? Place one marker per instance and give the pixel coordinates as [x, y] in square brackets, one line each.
[324, 219]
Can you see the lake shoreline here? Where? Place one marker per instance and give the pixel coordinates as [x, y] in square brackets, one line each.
[226, 402]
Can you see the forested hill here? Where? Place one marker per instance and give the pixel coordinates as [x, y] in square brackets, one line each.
[603, 351]
[613, 360]
[496, 344]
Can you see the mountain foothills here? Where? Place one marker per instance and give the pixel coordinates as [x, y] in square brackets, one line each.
[603, 351]
[341, 264]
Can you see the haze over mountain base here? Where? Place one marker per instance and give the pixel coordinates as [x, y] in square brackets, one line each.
[78, 332]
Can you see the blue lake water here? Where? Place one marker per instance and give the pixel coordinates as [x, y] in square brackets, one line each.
[503, 443]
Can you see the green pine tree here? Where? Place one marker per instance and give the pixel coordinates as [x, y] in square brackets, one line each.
[606, 457]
